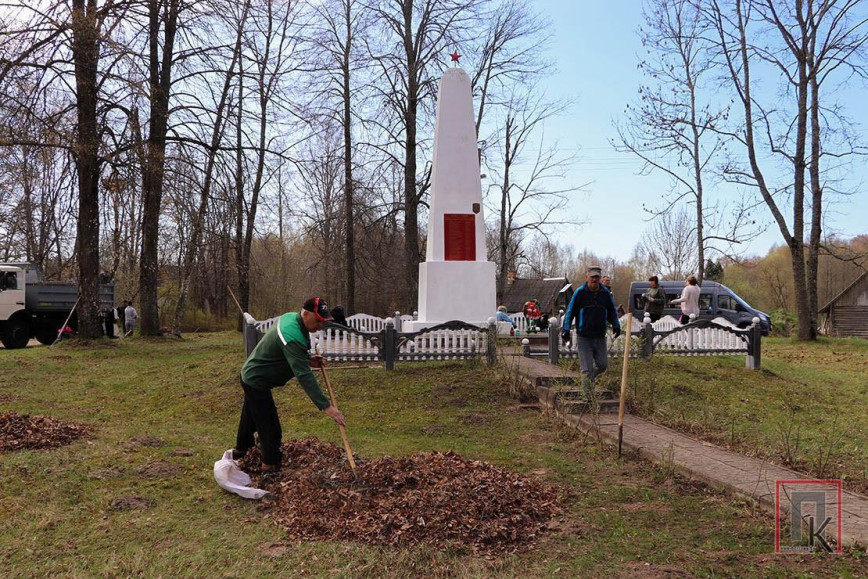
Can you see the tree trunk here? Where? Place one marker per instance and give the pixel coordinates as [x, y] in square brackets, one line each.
[241, 265]
[349, 216]
[816, 209]
[411, 203]
[153, 160]
[504, 217]
[85, 48]
[697, 175]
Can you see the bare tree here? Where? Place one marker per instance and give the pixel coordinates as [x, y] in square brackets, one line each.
[340, 94]
[270, 43]
[670, 244]
[511, 51]
[806, 44]
[56, 49]
[217, 134]
[672, 128]
[524, 198]
[163, 18]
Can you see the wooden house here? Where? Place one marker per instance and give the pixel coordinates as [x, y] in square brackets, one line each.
[553, 293]
[847, 313]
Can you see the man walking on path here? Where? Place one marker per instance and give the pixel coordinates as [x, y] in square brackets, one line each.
[655, 299]
[281, 355]
[593, 308]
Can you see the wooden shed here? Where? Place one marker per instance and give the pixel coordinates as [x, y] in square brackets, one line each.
[553, 293]
[847, 313]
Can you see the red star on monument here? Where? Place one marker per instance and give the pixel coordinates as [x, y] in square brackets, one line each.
[455, 56]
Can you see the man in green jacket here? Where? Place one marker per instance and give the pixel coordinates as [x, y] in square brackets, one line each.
[281, 354]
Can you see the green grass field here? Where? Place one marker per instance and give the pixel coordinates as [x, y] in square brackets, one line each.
[137, 496]
[806, 408]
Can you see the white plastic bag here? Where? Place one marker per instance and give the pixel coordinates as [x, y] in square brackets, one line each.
[233, 479]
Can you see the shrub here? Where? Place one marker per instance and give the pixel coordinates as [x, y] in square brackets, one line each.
[784, 323]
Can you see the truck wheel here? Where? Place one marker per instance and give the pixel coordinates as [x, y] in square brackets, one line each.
[17, 333]
[46, 336]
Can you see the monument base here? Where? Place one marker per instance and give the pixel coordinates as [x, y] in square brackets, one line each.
[455, 290]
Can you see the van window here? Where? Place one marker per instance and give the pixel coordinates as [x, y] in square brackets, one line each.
[704, 302]
[725, 302]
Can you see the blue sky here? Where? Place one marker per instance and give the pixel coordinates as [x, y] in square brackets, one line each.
[595, 47]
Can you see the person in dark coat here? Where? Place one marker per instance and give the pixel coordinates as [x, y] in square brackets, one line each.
[591, 311]
[339, 315]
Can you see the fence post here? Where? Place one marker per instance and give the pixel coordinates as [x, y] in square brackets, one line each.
[491, 346]
[554, 340]
[754, 346]
[390, 340]
[250, 337]
[399, 326]
[525, 347]
[691, 334]
[647, 337]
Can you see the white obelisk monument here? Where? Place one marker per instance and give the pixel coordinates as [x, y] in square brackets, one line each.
[456, 281]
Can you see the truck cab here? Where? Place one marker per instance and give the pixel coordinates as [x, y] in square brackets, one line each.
[13, 323]
[31, 307]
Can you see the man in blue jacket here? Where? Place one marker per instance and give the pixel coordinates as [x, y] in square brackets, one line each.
[593, 309]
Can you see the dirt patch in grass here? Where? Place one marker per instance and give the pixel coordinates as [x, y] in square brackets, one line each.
[473, 419]
[159, 469]
[23, 431]
[274, 549]
[433, 429]
[642, 507]
[130, 503]
[647, 570]
[148, 441]
[438, 499]
[106, 473]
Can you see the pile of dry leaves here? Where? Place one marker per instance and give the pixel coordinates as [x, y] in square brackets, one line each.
[20, 431]
[430, 497]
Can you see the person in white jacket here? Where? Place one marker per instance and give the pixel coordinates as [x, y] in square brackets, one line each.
[689, 300]
[130, 317]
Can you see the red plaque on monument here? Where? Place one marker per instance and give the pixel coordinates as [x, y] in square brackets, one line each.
[459, 236]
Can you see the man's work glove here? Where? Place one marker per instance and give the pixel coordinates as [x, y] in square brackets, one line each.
[317, 361]
[616, 332]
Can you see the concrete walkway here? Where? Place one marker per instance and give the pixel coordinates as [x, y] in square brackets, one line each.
[715, 466]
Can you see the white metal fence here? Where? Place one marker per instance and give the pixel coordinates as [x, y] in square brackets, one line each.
[371, 338]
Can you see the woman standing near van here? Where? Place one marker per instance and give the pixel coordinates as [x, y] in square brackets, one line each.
[689, 300]
[654, 298]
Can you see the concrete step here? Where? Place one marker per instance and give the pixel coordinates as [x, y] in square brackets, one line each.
[582, 406]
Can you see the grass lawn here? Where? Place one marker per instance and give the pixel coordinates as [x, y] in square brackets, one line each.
[805, 409]
[137, 496]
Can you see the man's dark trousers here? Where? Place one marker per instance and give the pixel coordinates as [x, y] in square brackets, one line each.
[259, 414]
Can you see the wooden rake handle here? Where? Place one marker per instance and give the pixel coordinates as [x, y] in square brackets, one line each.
[335, 404]
[623, 400]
